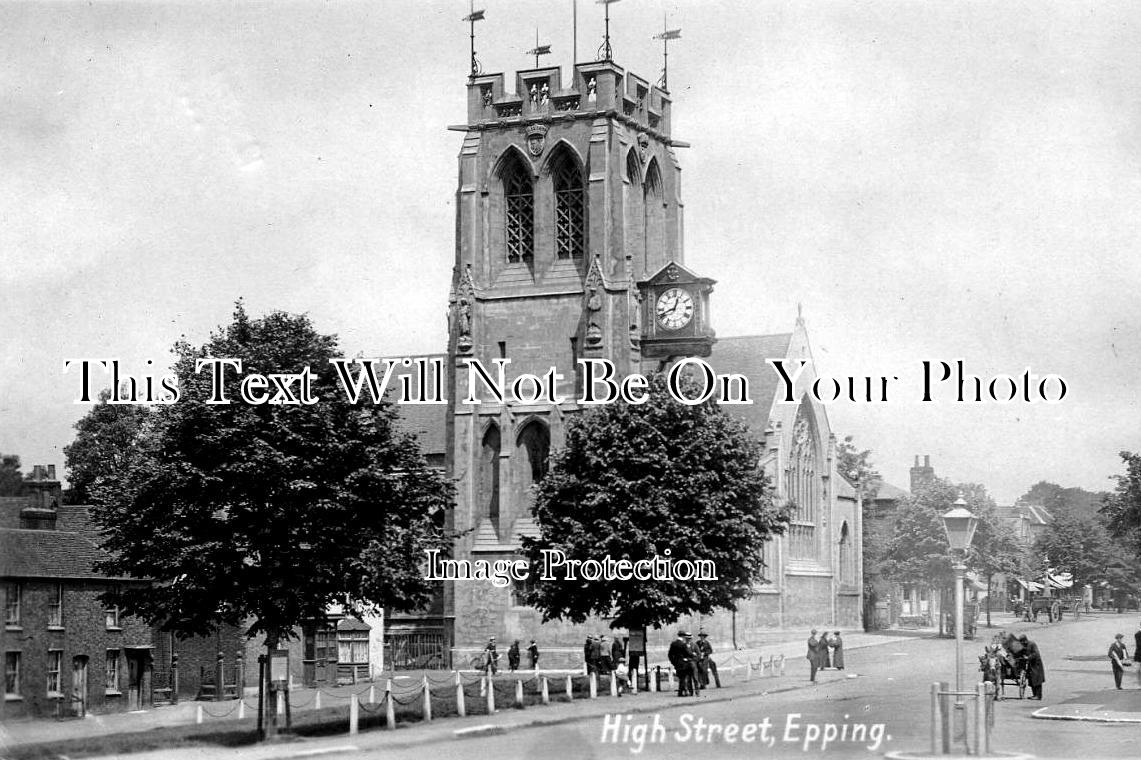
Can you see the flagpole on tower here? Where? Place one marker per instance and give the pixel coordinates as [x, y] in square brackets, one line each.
[605, 52]
[666, 35]
[539, 49]
[472, 17]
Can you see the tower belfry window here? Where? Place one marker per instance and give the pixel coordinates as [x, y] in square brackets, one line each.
[520, 207]
[569, 208]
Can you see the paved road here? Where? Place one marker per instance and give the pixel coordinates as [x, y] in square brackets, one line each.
[888, 699]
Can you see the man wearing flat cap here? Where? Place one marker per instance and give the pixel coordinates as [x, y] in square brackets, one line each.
[679, 657]
[1118, 658]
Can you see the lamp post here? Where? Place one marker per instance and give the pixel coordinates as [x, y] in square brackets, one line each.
[960, 524]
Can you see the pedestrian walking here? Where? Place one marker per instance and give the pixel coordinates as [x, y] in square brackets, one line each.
[1035, 667]
[1118, 658]
[705, 649]
[815, 662]
[533, 653]
[513, 656]
[679, 656]
[837, 645]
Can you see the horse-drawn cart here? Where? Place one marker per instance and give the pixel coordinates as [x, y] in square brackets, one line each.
[1005, 663]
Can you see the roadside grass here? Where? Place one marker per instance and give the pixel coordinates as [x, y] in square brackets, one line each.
[328, 721]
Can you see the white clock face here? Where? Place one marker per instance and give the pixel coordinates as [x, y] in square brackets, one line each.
[674, 309]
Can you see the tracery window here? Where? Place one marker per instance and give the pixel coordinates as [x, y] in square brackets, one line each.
[570, 207]
[519, 202]
[803, 488]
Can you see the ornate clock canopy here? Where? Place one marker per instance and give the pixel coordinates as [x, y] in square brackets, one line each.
[675, 313]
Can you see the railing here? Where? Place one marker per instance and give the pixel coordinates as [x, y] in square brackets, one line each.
[966, 716]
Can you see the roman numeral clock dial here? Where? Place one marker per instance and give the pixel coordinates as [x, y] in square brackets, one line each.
[674, 308]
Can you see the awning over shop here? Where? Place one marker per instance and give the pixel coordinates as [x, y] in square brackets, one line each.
[1061, 580]
[1030, 585]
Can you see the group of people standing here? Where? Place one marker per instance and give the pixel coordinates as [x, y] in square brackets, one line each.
[824, 651]
[491, 656]
[693, 663]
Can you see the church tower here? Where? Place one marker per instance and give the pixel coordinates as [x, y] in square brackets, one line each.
[568, 228]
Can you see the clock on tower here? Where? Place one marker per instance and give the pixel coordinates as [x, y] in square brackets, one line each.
[675, 313]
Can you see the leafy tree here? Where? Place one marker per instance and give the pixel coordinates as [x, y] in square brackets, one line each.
[634, 481]
[104, 445]
[997, 551]
[11, 479]
[1077, 544]
[1059, 500]
[265, 515]
[1122, 508]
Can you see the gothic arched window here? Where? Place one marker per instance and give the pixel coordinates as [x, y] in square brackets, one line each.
[489, 475]
[570, 206]
[847, 557]
[654, 216]
[802, 487]
[519, 202]
[534, 447]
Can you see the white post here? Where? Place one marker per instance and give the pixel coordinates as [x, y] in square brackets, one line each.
[670, 678]
[613, 685]
[427, 701]
[317, 700]
[782, 664]
[461, 708]
[594, 686]
[490, 695]
[570, 688]
[354, 714]
[651, 676]
[749, 669]
[546, 696]
[198, 715]
[241, 708]
[372, 693]
[936, 730]
[982, 735]
[280, 697]
[518, 693]
[389, 707]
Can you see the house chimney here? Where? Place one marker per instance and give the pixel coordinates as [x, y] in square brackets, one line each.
[921, 477]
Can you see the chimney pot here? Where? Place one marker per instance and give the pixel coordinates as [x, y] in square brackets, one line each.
[51, 472]
[916, 460]
[927, 460]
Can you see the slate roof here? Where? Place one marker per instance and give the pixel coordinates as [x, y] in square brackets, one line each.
[888, 492]
[48, 554]
[746, 355]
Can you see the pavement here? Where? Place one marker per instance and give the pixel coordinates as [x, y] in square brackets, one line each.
[226, 714]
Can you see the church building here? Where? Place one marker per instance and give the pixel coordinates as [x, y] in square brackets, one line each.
[570, 245]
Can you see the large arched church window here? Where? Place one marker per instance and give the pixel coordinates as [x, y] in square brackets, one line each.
[489, 475]
[802, 486]
[519, 203]
[570, 206]
[847, 556]
[534, 448]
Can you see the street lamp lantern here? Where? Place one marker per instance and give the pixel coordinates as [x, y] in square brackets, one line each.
[960, 524]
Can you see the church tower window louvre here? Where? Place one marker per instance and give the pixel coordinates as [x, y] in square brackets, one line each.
[519, 222]
[570, 207]
[803, 488]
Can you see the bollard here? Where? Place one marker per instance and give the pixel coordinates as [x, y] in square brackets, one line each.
[652, 680]
[982, 732]
[461, 708]
[427, 700]
[613, 686]
[546, 697]
[280, 696]
[935, 730]
[782, 664]
[317, 700]
[594, 686]
[198, 715]
[490, 695]
[220, 678]
[372, 693]
[389, 708]
[241, 708]
[634, 683]
[354, 715]
[570, 689]
[518, 693]
[670, 678]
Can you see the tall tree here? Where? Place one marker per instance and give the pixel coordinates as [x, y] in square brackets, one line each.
[1122, 508]
[265, 515]
[11, 479]
[105, 442]
[856, 467]
[637, 481]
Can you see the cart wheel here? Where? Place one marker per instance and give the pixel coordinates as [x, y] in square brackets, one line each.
[1056, 611]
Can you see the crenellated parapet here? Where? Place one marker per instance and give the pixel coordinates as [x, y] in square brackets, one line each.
[594, 89]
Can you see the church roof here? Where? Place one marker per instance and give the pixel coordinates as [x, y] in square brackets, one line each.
[746, 355]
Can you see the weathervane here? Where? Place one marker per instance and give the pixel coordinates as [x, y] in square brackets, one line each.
[605, 52]
[472, 17]
[666, 35]
[539, 50]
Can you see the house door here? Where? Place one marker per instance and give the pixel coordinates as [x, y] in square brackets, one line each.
[79, 685]
[138, 679]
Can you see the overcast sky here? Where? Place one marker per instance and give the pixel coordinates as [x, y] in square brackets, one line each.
[929, 180]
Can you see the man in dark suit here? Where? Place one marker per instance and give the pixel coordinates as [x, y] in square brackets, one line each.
[1117, 655]
[1035, 668]
[679, 657]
